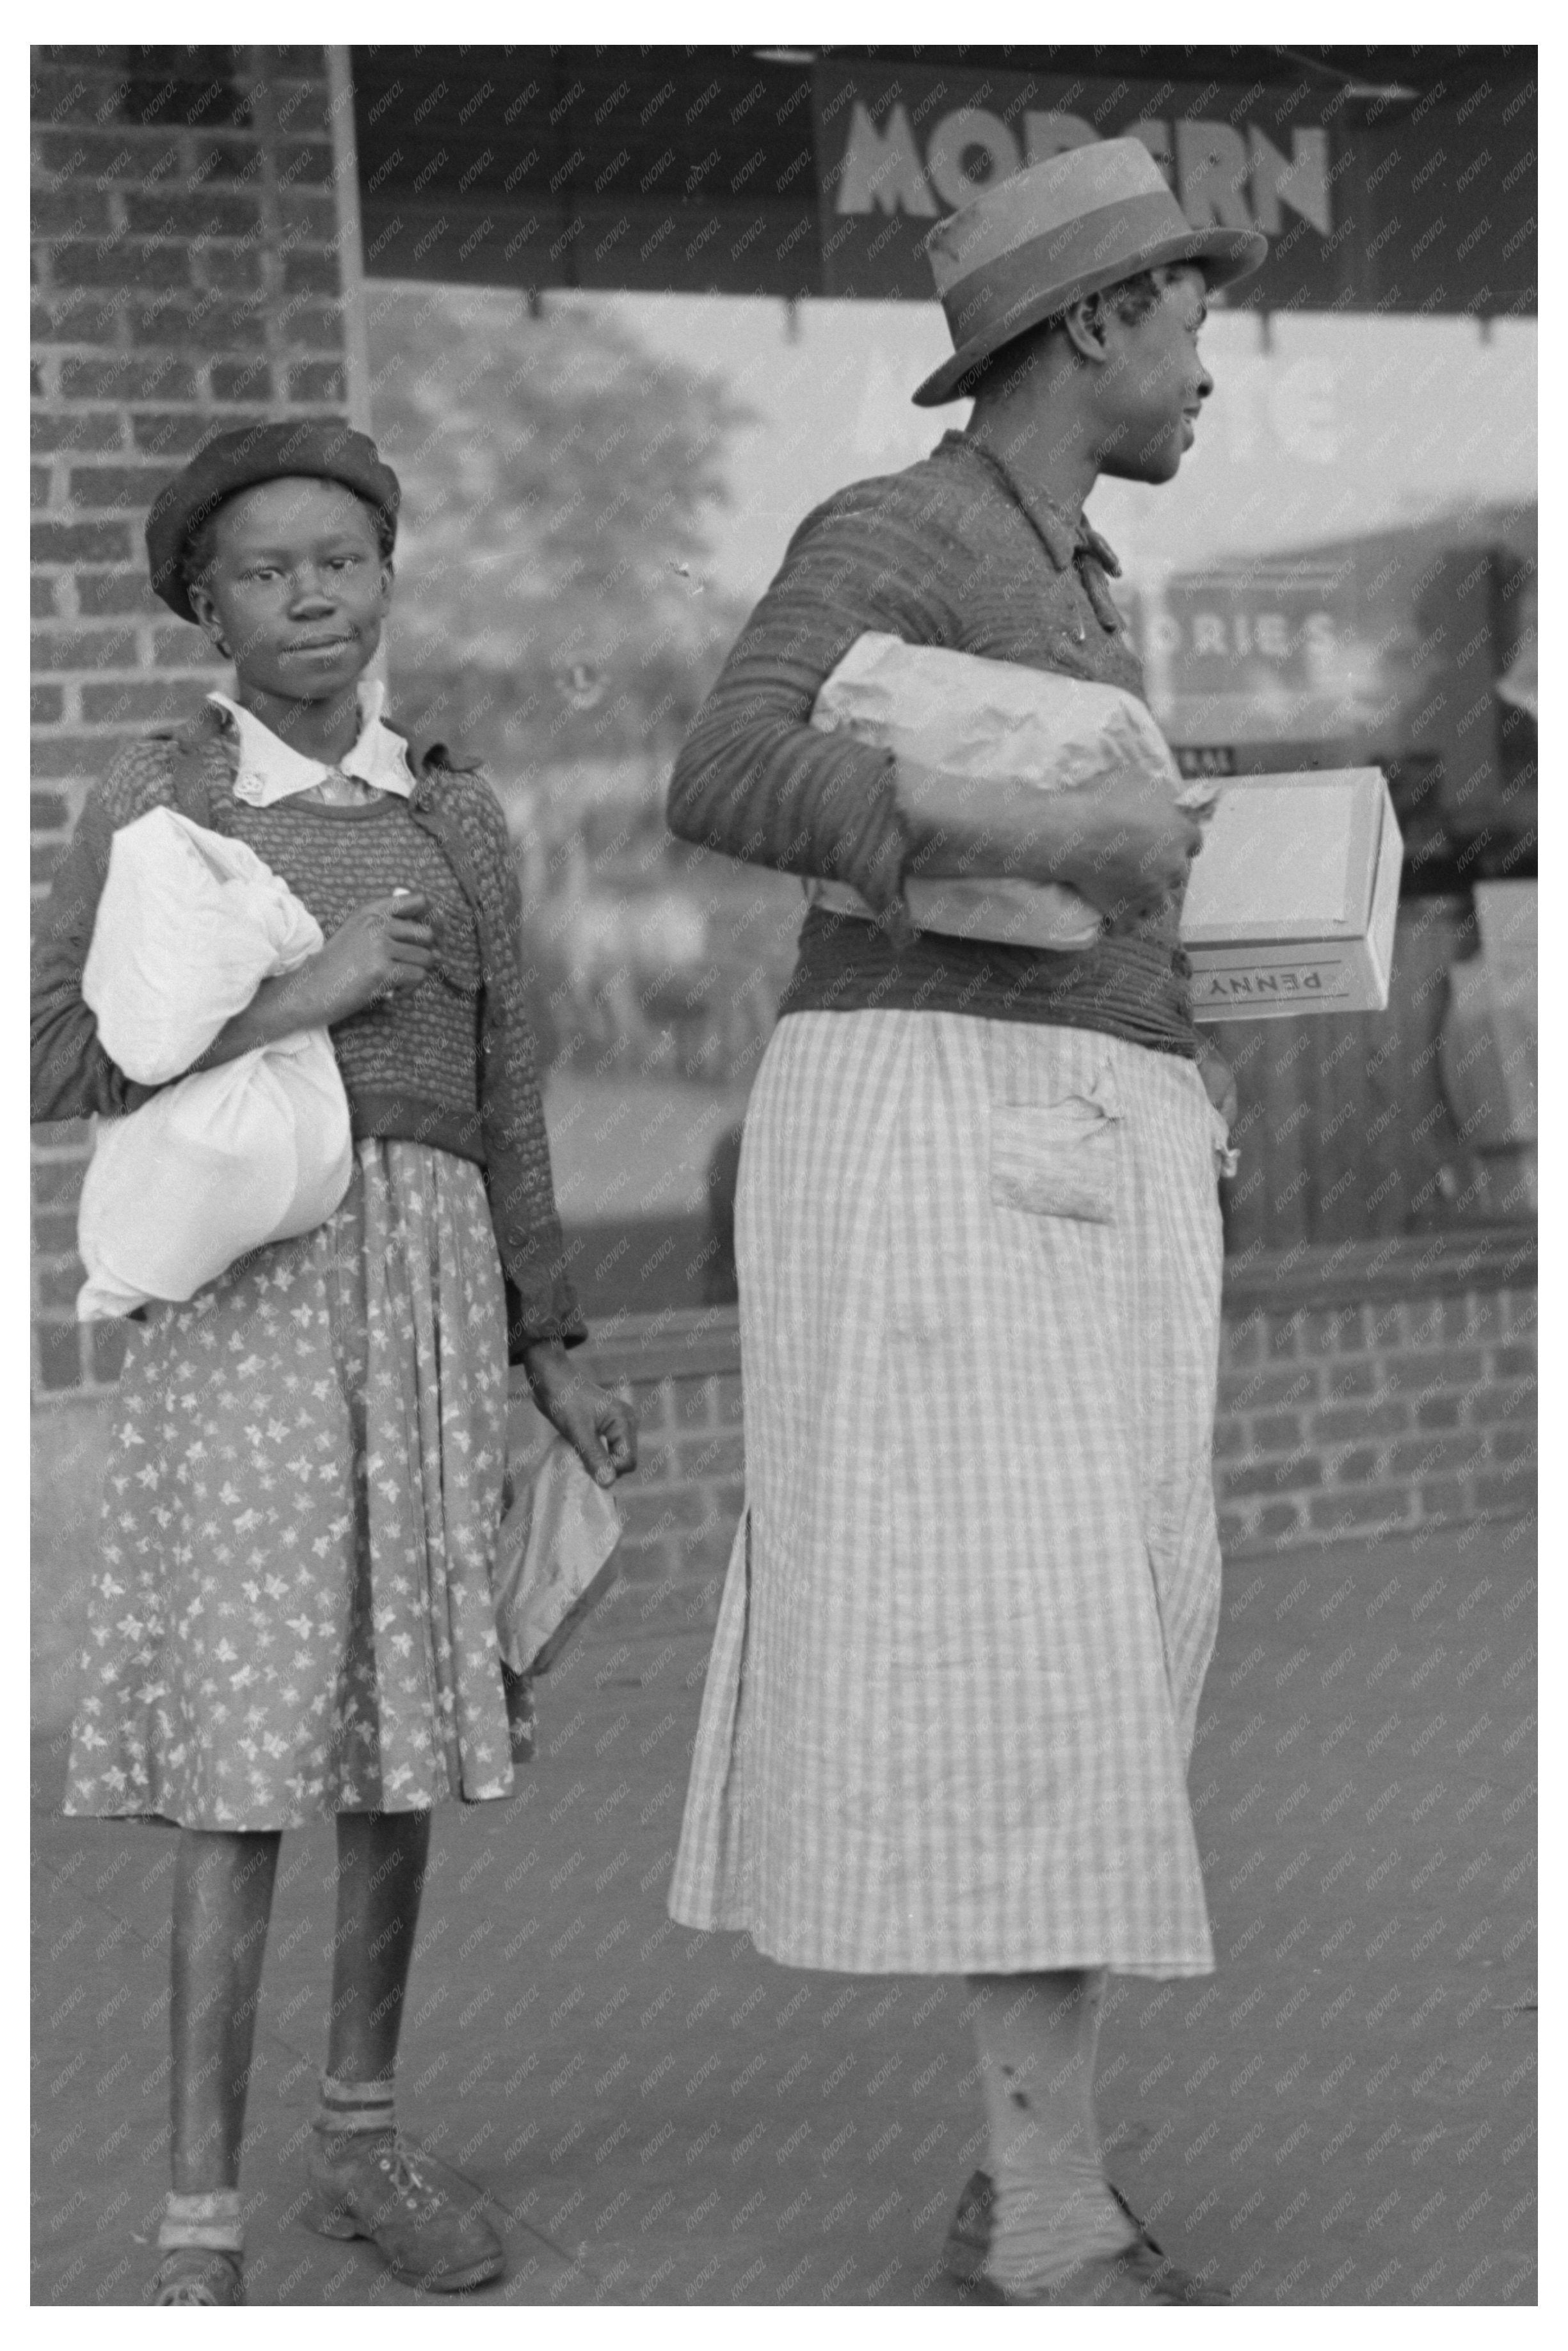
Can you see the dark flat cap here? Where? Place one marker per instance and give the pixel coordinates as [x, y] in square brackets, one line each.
[323, 448]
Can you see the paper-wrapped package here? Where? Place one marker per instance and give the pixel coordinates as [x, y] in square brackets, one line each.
[970, 716]
[554, 1559]
[222, 1163]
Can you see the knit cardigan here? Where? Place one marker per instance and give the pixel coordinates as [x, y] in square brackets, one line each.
[190, 769]
[956, 552]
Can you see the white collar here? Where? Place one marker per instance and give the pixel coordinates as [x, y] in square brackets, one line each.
[271, 770]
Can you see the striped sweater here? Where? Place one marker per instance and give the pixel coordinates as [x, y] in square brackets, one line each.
[955, 551]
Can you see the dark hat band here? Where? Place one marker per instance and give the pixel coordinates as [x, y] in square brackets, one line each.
[1111, 242]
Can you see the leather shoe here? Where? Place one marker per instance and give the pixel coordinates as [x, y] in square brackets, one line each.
[423, 2219]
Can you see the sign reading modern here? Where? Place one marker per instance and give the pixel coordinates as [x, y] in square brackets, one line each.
[899, 145]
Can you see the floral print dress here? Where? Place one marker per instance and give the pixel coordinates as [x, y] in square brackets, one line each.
[293, 1615]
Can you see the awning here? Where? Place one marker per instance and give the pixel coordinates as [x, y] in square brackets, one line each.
[1393, 181]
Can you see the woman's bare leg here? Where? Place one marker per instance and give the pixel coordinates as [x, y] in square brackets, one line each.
[223, 1900]
[381, 1877]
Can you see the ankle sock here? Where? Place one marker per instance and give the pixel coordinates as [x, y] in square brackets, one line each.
[1036, 2036]
[209, 2219]
[350, 2108]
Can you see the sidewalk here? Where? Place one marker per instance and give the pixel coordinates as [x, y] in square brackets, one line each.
[1345, 2112]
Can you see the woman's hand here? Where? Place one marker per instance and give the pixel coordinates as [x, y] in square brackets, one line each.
[601, 1428]
[384, 946]
[1126, 843]
[1122, 843]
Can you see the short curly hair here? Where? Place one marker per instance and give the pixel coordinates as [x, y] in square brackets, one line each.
[1132, 299]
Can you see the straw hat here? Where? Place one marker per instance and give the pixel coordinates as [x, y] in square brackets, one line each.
[1034, 243]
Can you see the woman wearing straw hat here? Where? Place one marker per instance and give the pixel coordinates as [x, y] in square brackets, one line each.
[976, 1586]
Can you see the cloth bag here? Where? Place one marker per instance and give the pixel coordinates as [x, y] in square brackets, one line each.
[554, 1559]
[189, 925]
[221, 1164]
[971, 716]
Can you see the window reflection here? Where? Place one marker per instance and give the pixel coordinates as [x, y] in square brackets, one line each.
[597, 488]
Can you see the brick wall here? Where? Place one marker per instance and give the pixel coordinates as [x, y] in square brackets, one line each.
[186, 277]
[683, 1374]
[1393, 1389]
[1362, 1391]
[1366, 1418]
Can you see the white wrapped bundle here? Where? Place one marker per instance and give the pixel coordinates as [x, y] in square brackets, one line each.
[970, 716]
[189, 925]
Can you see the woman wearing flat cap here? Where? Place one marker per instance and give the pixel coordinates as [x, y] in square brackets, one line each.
[975, 1587]
[293, 1619]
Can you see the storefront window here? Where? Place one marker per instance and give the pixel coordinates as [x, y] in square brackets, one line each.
[598, 487]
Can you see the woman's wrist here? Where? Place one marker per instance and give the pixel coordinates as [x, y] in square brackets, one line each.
[544, 1359]
[297, 999]
[281, 1007]
[980, 828]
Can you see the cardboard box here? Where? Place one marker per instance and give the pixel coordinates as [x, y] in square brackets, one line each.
[1291, 905]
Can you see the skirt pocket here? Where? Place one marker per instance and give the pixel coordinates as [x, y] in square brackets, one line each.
[1056, 1159]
